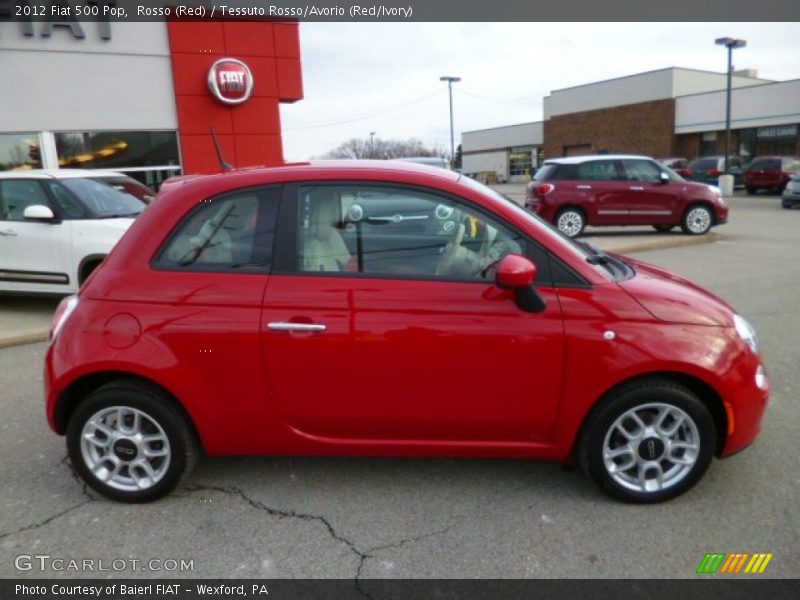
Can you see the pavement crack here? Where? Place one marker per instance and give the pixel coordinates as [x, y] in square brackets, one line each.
[84, 486]
[46, 521]
[363, 555]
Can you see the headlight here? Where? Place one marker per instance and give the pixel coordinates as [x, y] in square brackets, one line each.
[746, 332]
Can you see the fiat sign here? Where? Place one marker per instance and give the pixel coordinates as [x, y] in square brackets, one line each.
[230, 81]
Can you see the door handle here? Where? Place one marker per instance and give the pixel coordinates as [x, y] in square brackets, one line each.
[584, 187]
[8, 232]
[637, 187]
[284, 326]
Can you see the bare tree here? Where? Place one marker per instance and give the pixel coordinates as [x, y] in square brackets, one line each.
[375, 147]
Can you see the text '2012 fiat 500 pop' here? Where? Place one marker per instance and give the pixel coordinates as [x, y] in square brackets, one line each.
[388, 309]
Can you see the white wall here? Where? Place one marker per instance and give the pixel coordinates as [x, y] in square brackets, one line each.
[486, 161]
[771, 104]
[524, 134]
[633, 89]
[62, 83]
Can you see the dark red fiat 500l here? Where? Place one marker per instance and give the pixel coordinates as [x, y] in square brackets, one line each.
[396, 310]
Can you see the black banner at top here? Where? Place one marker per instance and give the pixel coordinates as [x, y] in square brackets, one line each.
[371, 11]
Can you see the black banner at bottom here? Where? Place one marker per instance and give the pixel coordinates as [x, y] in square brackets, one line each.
[399, 589]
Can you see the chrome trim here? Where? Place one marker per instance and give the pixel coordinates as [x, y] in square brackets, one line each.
[284, 326]
[637, 187]
[612, 212]
[584, 187]
[650, 212]
[400, 218]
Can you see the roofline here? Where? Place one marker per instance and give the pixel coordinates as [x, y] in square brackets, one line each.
[734, 90]
[503, 127]
[673, 68]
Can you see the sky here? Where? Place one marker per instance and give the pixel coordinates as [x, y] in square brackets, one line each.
[384, 77]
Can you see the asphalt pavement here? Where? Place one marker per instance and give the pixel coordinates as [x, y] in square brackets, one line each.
[366, 518]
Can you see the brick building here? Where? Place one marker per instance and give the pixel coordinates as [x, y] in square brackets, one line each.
[663, 113]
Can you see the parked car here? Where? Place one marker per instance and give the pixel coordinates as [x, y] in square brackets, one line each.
[707, 169]
[56, 228]
[241, 314]
[674, 163]
[621, 190]
[770, 173]
[791, 194]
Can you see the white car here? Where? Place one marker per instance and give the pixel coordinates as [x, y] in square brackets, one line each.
[57, 226]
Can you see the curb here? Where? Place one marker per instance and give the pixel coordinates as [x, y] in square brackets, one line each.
[20, 340]
[673, 241]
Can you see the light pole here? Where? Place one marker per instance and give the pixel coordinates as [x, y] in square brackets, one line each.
[731, 44]
[450, 81]
[372, 144]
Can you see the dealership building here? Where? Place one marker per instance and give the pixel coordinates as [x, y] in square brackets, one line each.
[671, 112]
[143, 98]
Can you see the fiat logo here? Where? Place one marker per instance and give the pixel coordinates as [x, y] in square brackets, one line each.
[230, 81]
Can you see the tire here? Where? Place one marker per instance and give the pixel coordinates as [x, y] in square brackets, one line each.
[751, 191]
[663, 227]
[95, 438]
[571, 221]
[697, 220]
[671, 414]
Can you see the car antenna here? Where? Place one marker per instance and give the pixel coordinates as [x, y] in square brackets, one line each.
[223, 164]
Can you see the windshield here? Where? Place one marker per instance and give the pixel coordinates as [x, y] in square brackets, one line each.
[126, 184]
[609, 266]
[102, 200]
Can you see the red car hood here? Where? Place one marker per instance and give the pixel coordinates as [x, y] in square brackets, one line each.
[675, 299]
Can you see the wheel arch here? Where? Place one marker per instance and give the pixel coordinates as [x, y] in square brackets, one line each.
[79, 389]
[700, 388]
[88, 260]
[700, 202]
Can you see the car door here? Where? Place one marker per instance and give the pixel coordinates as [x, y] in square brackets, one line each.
[35, 255]
[651, 200]
[380, 333]
[600, 180]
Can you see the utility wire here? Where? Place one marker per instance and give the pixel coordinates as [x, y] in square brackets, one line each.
[495, 98]
[363, 116]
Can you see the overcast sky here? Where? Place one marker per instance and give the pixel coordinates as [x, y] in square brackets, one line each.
[363, 77]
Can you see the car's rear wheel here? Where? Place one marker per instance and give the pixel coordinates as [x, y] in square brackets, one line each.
[571, 221]
[697, 220]
[648, 442]
[663, 227]
[130, 443]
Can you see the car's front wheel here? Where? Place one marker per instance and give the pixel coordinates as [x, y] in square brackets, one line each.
[130, 443]
[571, 221]
[697, 220]
[648, 442]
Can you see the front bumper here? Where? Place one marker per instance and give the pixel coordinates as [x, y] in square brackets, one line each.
[790, 198]
[745, 406]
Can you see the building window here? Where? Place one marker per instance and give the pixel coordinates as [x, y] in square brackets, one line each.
[20, 151]
[149, 156]
[708, 144]
[777, 140]
[747, 144]
[520, 161]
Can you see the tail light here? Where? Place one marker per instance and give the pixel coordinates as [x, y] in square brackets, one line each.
[64, 310]
[543, 189]
[714, 172]
[685, 172]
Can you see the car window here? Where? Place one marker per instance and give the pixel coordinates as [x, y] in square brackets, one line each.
[387, 231]
[598, 170]
[103, 200]
[68, 205]
[641, 170]
[123, 183]
[18, 194]
[545, 173]
[234, 233]
[703, 164]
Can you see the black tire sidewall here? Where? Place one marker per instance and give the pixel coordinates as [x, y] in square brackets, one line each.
[677, 396]
[158, 410]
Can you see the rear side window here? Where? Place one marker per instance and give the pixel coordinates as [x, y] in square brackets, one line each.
[232, 233]
[546, 173]
[766, 164]
[598, 170]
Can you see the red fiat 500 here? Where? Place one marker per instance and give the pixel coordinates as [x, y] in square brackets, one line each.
[389, 309]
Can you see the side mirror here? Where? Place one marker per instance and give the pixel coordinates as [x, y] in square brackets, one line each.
[664, 178]
[38, 212]
[517, 273]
